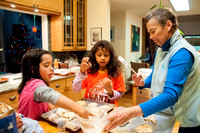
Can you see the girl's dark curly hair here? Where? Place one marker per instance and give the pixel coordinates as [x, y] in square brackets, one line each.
[30, 66]
[113, 66]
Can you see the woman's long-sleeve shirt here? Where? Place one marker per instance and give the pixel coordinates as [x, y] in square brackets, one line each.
[178, 70]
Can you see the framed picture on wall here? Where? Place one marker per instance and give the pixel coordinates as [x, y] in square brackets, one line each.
[135, 38]
[95, 35]
[112, 34]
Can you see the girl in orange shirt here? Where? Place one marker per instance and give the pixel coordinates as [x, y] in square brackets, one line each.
[100, 74]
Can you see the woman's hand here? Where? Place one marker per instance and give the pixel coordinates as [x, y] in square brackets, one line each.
[138, 80]
[85, 65]
[107, 85]
[121, 116]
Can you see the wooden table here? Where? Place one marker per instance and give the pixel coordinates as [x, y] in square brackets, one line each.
[51, 128]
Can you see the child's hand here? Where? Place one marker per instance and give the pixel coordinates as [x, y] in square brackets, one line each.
[51, 107]
[85, 113]
[18, 120]
[108, 86]
[85, 65]
[138, 80]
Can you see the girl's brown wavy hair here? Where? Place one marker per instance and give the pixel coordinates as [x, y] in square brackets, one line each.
[113, 66]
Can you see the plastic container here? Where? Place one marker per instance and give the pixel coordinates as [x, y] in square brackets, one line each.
[93, 124]
[61, 127]
[56, 64]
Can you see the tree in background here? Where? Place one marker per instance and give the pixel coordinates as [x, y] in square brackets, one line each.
[18, 45]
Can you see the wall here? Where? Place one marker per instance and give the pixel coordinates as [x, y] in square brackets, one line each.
[132, 19]
[122, 21]
[189, 24]
[98, 15]
[118, 21]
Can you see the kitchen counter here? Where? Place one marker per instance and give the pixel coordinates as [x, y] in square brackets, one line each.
[15, 80]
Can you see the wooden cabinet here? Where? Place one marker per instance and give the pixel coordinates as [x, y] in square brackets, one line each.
[47, 5]
[22, 2]
[59, 85]
[51, 5]
[10, 98]
[69, 30]
[64, 86]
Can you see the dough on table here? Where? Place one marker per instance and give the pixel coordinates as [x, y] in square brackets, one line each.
[52, 116]
[105, 107]
[61, 119]
[69, 115]
[92, 104]
[97, 112]
[60, 111]
[151, 119]
[82, 103]
[144, 128]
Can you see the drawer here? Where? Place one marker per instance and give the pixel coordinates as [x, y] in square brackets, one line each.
[144, 93]
[10, 98]
[57, 84]
[69, 81]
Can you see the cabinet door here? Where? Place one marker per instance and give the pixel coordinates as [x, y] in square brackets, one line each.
[51, 5]
[10, 98]
[81, 24]
[70, 93]
[69, 31]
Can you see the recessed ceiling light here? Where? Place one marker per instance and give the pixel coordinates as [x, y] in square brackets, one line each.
[180, 5]
[12, 5]
[36, 10]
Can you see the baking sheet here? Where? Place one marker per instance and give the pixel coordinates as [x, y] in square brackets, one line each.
[99, 103]
[72, 125]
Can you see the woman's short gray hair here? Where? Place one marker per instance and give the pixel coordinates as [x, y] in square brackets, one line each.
[163, 15]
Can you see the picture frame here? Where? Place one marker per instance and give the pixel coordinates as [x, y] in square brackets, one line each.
[95, 35]
[135, 38]
[112, 34]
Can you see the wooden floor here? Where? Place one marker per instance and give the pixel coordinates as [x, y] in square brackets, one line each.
[126, 99]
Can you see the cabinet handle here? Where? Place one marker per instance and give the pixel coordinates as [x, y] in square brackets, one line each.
[58, 85]
[12, 98]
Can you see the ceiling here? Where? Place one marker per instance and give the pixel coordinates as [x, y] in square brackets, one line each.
[142, 7]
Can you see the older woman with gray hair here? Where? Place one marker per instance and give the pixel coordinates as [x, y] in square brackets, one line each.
[174, 81]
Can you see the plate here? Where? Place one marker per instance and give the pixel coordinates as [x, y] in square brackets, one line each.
[2, 80]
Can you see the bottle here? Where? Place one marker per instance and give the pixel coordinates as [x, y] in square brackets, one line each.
[61, 127]
[56, 64]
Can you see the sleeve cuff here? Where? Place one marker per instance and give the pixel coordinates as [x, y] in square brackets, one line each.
[116, 95]
[81, 75]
